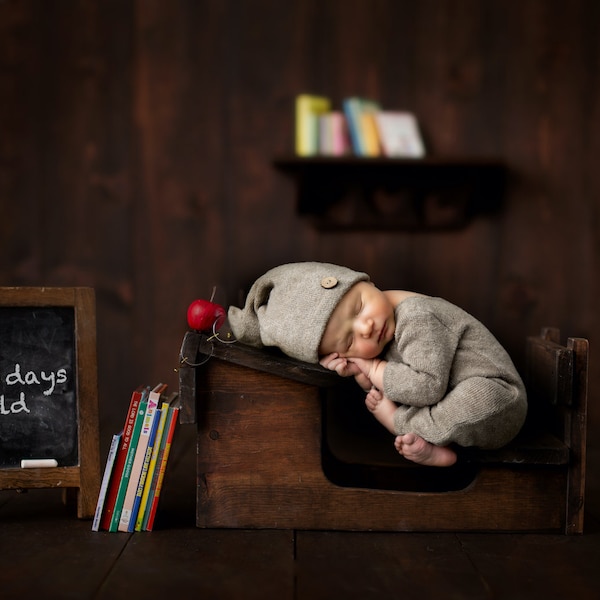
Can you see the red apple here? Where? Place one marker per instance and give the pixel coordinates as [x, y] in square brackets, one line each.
[203, 315]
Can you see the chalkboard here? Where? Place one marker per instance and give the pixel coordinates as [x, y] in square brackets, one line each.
[38, 409]
[48, 391]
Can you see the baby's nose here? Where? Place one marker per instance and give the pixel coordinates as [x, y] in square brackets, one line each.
[365, 327]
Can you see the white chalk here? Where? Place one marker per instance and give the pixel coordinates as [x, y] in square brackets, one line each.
[38, 463]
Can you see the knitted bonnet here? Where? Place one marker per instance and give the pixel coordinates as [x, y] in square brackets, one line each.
[290, 305]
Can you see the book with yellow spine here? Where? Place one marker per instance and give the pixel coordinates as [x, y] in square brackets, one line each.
[308, 109]
[164, 410]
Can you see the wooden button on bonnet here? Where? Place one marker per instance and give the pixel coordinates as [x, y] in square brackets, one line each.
[329, 282]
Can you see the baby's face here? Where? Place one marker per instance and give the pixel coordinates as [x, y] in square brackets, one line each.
[361, 325]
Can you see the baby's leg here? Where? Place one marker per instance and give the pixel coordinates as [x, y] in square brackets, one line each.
[418, 450]
[410, 445]
[478, 412]
[382, 408]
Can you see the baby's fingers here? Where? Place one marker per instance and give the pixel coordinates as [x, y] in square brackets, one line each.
[334, 362]
[326, 360]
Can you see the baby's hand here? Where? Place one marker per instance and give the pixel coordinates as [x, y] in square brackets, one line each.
[371, 369]
[343, 367]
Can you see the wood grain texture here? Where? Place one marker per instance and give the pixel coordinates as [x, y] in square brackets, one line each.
[272, 452]
[37, 531]
[138, 139]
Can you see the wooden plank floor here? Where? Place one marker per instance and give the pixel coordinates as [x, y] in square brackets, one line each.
[48, 553]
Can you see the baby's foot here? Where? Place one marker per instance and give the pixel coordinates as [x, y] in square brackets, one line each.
[382, 408]
[416, 449]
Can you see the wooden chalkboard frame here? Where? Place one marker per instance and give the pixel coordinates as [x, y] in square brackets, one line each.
[81, 483]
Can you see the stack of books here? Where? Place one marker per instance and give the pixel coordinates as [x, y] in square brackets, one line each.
[361, 128]
[136, 463]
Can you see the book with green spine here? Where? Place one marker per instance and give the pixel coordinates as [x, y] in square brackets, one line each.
[137, 428]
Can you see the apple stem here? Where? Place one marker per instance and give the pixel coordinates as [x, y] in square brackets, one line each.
[213, 293]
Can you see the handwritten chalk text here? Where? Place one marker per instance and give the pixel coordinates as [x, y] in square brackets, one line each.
[13, 406]
[32, 378]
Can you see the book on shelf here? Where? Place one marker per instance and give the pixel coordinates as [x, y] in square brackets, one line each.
[113, 488]
[307, 110]
[333, 134]
[361, 128]
[139, 457]
[162, 462]
[399, 134]
[108, 469]
[370, 134]
[358, 112]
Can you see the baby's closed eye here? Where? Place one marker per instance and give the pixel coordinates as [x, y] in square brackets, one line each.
[349, 342]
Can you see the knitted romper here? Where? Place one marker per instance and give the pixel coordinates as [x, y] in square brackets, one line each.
[451, 379]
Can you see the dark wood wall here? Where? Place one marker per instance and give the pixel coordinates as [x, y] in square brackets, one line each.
[137, 139]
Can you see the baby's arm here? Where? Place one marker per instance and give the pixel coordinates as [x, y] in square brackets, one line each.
[372, 369]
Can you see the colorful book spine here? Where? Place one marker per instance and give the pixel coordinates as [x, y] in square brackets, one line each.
[399, 134]
[152, 467]
[354, 108]
[108, 470]
[308, 108]
[139, 457]
[125, 477]
[333, 134]
[144, 474]
[370, 134]
[324, 134]
[109, 505]
[163, 460]
[352, 111]
[340, 142]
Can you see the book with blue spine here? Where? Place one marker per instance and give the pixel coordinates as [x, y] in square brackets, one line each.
[125, 477]
[354, 109]
[164, 413]
[139, 457]
[159, 474]
[144, 474]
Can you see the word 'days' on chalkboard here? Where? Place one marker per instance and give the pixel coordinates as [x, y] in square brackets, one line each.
[48, 392]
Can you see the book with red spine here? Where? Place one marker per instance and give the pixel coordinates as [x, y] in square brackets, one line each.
[139, 457]
[119, 465]
[108, 469]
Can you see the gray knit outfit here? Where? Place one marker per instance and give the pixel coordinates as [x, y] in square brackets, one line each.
[451, 379]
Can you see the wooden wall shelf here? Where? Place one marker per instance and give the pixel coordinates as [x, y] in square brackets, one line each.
[395, 194]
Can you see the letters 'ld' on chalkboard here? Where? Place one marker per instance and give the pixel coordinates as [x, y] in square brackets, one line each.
[48, 392]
